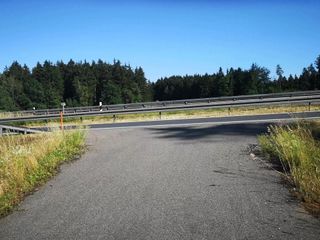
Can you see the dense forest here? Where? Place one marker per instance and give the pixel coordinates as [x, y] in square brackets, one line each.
[83, 84]
[234, 82]
[77, 84]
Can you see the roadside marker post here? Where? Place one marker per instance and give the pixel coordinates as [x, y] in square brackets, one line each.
[61, 121]
[63, 104]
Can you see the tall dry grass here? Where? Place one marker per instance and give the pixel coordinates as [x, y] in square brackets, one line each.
[29, 160]
[297, 148]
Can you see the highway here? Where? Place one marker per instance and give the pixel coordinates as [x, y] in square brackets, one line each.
[187, 181]
[259, 118]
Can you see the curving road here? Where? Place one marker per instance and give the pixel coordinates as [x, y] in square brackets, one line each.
[241, 119]
[168, 182]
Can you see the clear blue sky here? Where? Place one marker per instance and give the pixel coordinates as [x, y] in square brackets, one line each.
[163, 37]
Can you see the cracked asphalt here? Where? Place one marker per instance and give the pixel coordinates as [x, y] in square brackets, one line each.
[170, 182]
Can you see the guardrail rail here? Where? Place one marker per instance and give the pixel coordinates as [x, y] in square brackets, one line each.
[303, 97]
[10, 129]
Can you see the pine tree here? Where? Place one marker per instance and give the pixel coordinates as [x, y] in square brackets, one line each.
[279, 72]
[317, 63]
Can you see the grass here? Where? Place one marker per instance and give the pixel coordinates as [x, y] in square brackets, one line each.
[297, 147]
[13, 114]
[27, 161]
[185, 114]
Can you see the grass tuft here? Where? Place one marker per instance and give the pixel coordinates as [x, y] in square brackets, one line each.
[27, 161]
[297, 148]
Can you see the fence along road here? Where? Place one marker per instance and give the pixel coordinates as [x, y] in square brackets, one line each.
[307, 98]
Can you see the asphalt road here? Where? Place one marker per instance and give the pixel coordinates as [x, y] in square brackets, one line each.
[169, 182]
[261, 118]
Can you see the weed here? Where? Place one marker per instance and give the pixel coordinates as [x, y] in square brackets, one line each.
[298, 150]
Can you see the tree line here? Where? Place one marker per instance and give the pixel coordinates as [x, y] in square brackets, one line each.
[233, 82]
[83, 84]
[77, 84]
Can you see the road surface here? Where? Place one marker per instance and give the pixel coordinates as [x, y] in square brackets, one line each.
[169, 182]
[261, 118]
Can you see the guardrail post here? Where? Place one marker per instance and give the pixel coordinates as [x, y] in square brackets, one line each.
[309, 106]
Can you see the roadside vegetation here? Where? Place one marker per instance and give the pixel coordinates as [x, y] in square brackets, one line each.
[27, 161]
[297, 148]
[187, 114]
[11, 114]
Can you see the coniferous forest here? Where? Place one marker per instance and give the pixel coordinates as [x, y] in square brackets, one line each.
[83, 84]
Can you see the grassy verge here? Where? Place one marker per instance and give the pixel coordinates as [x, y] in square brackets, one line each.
[186, 114]
[298, 149]
[13, 114]
[27, 161]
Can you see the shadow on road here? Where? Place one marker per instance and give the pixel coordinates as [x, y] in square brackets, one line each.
[196, 132]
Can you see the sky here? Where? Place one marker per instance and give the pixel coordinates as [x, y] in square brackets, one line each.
[163, 37]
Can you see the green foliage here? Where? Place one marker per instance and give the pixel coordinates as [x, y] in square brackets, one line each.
[6, 100]
[112, 93]
[77, 84]
[83, 84]
[235, 82]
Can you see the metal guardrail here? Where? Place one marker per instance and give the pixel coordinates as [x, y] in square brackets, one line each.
[10, 129]
[160, 103]
[306, 97]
